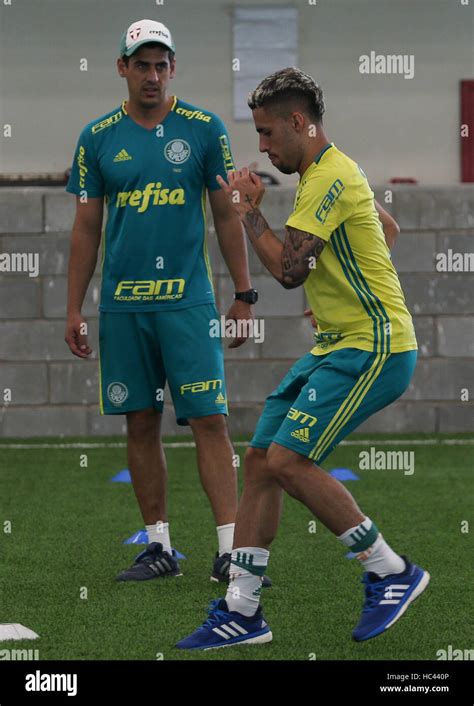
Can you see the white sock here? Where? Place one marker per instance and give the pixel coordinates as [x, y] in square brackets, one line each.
[366, 542]
[160, 532]
[225, 535]
[246, 571]
[381, 559]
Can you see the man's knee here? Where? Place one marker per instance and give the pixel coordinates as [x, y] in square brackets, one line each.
[212, 425]
[282, 464]
[143, 422]
[255, 465]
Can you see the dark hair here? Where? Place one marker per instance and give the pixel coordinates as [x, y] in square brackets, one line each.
[283, 89]
[149, 45]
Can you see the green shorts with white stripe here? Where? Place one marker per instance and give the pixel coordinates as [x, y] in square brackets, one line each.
[323, 398]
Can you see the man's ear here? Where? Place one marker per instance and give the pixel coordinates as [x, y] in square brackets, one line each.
[121, 66]
[297, 121]
[173, 68]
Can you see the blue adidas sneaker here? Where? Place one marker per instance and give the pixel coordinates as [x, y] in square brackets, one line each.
[387, 599]
[224, 628]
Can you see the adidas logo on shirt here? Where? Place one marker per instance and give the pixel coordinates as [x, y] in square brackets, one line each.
[220, 399]
[122, 156]
[301, 434]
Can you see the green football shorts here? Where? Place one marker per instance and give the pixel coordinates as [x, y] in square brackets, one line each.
[140, 352]
[325, 397]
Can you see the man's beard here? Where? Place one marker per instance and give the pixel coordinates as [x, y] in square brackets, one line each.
[286, 169]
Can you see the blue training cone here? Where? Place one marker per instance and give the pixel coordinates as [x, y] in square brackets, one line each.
[343, 474]
[122, 477]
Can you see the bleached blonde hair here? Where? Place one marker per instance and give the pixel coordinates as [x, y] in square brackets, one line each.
[285, 88]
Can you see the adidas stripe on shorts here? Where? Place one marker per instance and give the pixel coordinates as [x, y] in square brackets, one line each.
[325, 397]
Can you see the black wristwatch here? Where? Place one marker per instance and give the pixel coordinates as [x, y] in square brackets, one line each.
[250, 296]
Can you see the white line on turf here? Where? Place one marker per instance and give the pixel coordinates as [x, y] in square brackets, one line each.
[191, 444]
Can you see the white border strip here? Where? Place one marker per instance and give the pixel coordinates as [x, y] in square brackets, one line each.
[191, 444]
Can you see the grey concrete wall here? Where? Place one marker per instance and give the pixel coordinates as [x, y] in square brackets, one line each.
[54, 393]
[391, 125]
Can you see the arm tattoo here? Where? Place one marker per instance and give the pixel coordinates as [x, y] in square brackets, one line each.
[298, 247]
[254, 221]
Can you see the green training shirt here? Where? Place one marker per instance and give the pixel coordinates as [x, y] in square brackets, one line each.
[154, 181]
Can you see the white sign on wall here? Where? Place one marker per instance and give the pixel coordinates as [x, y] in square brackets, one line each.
[265, 39]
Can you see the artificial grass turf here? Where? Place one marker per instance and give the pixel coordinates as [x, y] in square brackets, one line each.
[68, 523]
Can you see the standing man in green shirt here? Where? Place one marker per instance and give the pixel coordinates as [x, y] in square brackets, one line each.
[151, 161]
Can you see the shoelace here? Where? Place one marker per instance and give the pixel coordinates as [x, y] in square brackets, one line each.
[373, 592]
[215, 615]
[151, 557]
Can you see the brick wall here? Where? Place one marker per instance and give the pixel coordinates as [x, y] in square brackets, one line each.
[54, 393]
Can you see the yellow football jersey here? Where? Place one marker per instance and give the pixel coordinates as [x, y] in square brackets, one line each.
[354, 290]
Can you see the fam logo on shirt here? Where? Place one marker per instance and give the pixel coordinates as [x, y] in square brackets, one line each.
[177, 151]
[329, 200]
